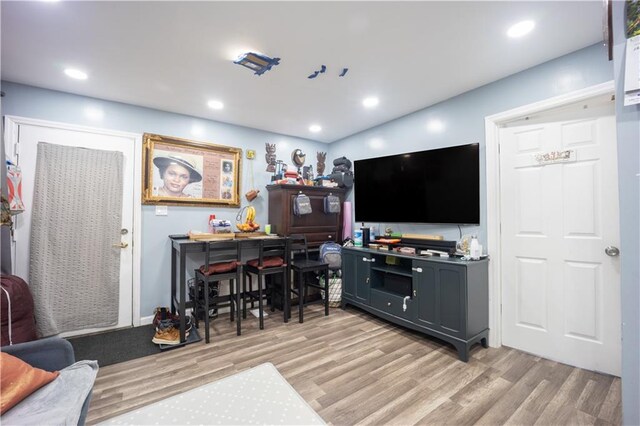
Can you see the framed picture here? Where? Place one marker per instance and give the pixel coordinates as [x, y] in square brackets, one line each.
[182, 172]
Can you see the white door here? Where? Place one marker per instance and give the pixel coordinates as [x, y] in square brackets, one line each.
[560, 290]
[24, 150]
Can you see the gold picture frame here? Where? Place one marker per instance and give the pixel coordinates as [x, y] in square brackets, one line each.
[182, 172]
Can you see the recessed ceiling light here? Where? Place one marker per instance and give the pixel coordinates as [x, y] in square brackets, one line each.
[315, 128]
[520, 29]
[77, 74]
[370, 102]
[215, 104]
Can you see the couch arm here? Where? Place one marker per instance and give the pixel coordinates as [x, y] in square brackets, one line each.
[51, 354]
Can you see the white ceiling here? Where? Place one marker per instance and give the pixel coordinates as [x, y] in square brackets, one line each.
[175, 56]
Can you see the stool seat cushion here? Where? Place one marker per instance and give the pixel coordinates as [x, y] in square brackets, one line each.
[267, 262]
[218, 268]
[307, 264]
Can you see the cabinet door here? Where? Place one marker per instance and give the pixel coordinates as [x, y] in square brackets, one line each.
[363, 272]
[451, 289]
[349, 273]
[425, 291]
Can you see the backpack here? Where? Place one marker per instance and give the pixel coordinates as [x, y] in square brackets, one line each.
[331, 253]
[301, 205]
[331, 204]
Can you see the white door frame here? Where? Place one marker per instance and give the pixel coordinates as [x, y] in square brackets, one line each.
[492, 137]
[10, 139]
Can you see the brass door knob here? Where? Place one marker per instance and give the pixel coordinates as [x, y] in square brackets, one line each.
[121, 244]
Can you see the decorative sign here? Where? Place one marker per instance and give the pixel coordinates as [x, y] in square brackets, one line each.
[556, 157]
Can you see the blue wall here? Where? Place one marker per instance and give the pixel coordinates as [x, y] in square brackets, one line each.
[33, 102]
[463, 120]
[628, 128]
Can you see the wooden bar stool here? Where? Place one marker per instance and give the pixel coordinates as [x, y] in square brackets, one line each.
[301, 268]
[222, 262]
[271, 261]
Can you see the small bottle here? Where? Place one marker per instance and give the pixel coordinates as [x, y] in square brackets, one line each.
[212, 218]
[474, 248]
[357, 237]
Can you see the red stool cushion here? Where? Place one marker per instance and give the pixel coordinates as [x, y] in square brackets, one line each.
[218, 268]
[267, 262]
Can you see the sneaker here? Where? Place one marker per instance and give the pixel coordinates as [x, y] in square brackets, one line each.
[161, 314]
[170, 336]
[163, 319]
[174, 322]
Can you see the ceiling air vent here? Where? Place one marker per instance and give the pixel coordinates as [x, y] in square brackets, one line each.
[257, 62]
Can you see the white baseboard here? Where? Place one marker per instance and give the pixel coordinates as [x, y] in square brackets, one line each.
[149, 320]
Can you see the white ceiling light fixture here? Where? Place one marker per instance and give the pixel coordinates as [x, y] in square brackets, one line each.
[213, 104]
[76, 73]
[521, 29]
[370, 102]
[435, 126]
[315, 128]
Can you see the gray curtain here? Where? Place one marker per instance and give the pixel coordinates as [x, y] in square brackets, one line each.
[74, 270]
[5, 241]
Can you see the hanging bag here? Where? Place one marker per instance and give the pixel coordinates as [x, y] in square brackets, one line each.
[331, 204]
[301, 205]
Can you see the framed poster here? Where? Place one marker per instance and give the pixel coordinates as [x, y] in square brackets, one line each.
[182, 172]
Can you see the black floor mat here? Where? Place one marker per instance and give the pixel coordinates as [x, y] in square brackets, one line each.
[117, 346]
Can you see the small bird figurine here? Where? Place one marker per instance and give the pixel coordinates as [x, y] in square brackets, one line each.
[323, 69]
[344, 72]
[314, 75]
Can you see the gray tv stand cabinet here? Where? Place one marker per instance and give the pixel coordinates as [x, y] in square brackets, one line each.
[447, 298]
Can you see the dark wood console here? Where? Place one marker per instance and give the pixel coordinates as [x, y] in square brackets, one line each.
[447, 298]
[317, 226]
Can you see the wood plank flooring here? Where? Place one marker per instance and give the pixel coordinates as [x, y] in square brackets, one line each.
[353, 368]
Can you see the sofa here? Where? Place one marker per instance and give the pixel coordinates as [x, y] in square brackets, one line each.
[67, 395]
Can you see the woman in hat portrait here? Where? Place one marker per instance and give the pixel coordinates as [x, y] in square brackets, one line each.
[176, 173]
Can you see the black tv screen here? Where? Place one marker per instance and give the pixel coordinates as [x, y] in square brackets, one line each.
[434, 186]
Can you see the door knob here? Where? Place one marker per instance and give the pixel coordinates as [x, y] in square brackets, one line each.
[612, 251]
[121, 245]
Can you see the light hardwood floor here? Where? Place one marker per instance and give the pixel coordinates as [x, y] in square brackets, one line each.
[353, 368]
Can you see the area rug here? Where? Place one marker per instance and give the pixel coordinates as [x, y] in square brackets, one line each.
[256, 396]
[116, 346]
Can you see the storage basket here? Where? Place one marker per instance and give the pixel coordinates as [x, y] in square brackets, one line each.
[335, 291]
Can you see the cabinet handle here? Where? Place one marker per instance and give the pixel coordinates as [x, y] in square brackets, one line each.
[414, 293]
[330, 236]
[364, 259]
[367, 280]
[417, 269]
[388, 303]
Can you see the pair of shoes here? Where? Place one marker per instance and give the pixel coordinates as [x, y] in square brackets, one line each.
[173, 323]
[164, 319]
[170, 336]
[161, 314]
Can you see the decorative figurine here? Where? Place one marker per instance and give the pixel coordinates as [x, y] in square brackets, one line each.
[298, 157]
[321, 156]
[270, 156]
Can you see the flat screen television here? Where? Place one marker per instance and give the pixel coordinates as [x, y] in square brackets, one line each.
[440, 186]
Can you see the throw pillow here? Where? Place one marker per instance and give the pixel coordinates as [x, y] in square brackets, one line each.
[18, 380]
